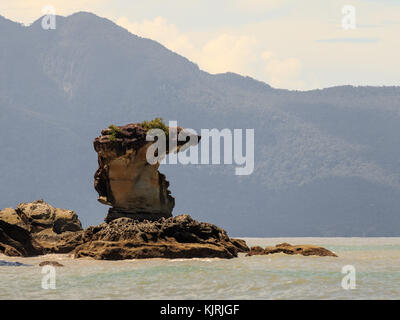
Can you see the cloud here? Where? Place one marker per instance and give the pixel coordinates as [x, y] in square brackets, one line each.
[226, 53]
[257, 5]
[217, 54]
[349, 40]
[160, 30]
[282, 72]
[222, 52]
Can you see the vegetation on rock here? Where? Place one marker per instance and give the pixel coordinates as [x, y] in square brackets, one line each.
[115, 132]
[157, 123]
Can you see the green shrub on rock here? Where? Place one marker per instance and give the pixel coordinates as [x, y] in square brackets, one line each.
[157, 123]
[115, 132]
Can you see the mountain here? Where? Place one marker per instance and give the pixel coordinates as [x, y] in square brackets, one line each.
[326, 161]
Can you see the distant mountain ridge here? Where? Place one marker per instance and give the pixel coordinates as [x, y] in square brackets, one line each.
[326, 161]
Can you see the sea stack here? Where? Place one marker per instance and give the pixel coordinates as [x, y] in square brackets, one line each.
[139, 224]
[125, 180]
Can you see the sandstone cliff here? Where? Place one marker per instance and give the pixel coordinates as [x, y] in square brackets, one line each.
[125, 180]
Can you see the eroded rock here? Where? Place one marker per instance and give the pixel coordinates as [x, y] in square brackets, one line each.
[124, 238]
[303, 249]
[36, 228]
[39, 216]
[50, 263]
[177, 237]
[126, 181]
[17, 242]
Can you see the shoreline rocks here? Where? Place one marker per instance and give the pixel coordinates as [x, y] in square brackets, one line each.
[33, 229]
[17, 242]
[303, 249]
[39, 217]
[175, 237]
[139, 224]
[37, 228]
[122, 238]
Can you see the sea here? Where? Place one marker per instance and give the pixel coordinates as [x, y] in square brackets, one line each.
[366, 268]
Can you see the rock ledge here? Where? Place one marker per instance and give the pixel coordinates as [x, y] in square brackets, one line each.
[177, 237]
[303, 249]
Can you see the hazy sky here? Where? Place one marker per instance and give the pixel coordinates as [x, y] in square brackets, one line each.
[286, 43]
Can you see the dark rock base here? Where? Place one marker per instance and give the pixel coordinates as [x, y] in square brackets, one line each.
[175, 237]
[114, 213]
[16, 241]
[125, 238]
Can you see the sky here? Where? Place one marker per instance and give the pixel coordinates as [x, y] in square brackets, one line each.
[298, 45]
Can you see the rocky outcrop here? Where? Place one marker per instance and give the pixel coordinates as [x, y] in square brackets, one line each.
[177, 237]
[18, 242]
[303, 249]
[50, 263]
[38, 228]
[140, 222]
[40, 217]
[126, 181]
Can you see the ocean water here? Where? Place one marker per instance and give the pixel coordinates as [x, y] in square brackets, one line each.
[376, 262]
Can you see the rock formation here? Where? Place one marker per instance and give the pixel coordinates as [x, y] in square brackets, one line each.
[39, 217]
[16, 241]
[125, 180]
[33, 228]
[38, 228]
[175, 237]
[139, 223]
[304, 249]
[50, 263]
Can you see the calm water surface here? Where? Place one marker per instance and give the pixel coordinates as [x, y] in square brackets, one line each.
[376, 260]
